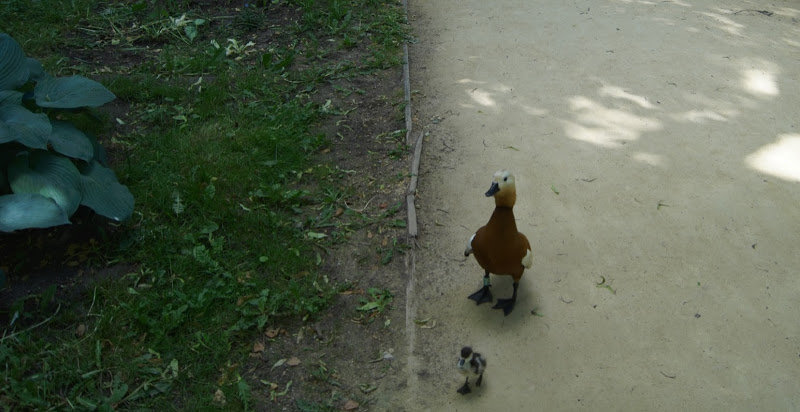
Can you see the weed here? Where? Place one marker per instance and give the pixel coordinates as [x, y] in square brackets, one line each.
[387, 253]
[378, 303]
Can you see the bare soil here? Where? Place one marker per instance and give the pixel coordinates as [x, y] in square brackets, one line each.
[344, 355]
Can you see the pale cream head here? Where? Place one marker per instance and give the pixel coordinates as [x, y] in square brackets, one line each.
[503, 188]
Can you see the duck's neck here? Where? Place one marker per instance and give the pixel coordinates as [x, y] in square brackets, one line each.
[506, 199]
[503, 219]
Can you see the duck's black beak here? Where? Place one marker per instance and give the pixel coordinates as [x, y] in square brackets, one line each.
[492, 190]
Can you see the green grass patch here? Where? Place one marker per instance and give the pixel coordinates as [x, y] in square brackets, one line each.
[218, 150]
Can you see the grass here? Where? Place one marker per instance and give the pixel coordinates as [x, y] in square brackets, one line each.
[218, 149]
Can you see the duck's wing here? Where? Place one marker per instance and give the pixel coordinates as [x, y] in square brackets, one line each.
[527, 260]
[468, 250]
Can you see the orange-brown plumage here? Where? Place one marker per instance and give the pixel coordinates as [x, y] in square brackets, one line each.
[498, 246]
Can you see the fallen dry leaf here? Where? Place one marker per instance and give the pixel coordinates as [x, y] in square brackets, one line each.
[429, 325]
[350, 405]
[258, 347]
[271, 333]
[280, 362]
[293, 361]
[219, 397]
[80, 330]
[338, 212]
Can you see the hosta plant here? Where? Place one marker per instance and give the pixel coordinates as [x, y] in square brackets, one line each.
[48, 166]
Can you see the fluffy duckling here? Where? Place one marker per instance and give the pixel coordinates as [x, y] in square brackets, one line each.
[498, 247]
[471, 365]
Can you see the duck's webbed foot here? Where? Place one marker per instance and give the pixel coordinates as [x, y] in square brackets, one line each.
[483, 294]
[464, 389]
[507, 304]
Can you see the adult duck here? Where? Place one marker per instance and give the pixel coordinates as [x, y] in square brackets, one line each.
[498, 246]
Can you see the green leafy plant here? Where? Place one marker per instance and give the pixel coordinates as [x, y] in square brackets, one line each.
[379, 301]
[48, 166]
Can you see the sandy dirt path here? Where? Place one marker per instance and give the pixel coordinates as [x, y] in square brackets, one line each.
[657, 146]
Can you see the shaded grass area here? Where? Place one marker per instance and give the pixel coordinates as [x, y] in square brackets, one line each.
[216, 140]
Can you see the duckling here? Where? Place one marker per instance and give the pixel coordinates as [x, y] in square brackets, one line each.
[498, 247]
[470, 364]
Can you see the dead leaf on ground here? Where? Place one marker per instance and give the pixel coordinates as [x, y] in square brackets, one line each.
[427, 323]
[80, 330]
[280, 362]
[219, 397]
[338, 212]
[293, 361]
[271, 333]
[258, 347]
[350, 405]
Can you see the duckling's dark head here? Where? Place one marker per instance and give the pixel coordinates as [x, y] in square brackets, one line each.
[466, 352]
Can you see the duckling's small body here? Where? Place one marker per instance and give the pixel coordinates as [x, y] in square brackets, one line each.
[470, 364]
[498, 247]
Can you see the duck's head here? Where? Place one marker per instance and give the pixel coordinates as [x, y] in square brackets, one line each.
[465, 357]
[503, 189]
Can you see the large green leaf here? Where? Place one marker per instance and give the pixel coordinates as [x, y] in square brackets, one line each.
[5, 133]
[10, 97]
[99, 152]
[35, 69]
[13, 66]
[68, 140]
[3, 181]
[104, 194]
[70, 92]
[20, 124]
[29, 210]
[49, 175]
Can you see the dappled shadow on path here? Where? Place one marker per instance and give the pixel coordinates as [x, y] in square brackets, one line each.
[658, 153]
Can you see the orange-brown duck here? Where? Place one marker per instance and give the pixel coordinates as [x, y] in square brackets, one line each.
[498, 247]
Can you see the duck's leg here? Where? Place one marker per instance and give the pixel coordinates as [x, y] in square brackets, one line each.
[507, 304]
[483, 294]
[478, 382]
[464, 389]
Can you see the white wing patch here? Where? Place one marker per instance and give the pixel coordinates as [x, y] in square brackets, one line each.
[527, 261]
[468, 250]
